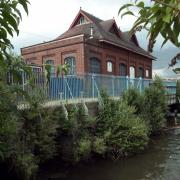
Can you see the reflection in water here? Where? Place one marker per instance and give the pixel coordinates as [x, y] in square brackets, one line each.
[160, 162]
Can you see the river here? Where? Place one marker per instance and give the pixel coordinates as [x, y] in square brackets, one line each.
[160, 162]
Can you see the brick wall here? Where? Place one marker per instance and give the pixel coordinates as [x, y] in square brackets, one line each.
[105, 52]
[82, 50]
[56, 51]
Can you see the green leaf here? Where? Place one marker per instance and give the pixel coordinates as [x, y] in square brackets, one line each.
[59, 70]
[124, 7]
[140, 4]
[167, 18]
[24, 4]
[127, 13]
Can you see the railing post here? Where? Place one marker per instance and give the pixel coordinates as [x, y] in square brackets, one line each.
[81, 95]
[113, 94]
[23, 80]
[93, 86]
[140, 84]
[127, 82]
[65, 95]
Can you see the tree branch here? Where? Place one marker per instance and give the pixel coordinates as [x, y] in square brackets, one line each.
[160, 2]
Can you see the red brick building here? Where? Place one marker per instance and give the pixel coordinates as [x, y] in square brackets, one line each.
[92, 45]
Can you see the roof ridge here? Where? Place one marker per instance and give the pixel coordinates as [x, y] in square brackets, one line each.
[91, 15]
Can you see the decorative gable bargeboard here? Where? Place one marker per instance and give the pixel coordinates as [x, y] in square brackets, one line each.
[92, 45]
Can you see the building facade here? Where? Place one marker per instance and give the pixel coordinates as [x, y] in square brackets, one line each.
[92, 45]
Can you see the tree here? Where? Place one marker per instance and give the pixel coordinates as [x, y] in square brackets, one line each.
[10, 17]
[161, 17]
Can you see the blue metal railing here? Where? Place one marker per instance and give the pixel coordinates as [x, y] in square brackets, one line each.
[88, 86]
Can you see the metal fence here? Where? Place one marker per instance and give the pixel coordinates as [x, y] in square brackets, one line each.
[86, 86]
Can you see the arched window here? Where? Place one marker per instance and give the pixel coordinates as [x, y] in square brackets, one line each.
[71, 62]
[132, 72]
[51, 62]
[95, 65]
[140, 72]
[109, 66]
[123, 69]
[147, 73]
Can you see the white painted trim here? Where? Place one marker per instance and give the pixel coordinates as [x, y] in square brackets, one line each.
[54, 41]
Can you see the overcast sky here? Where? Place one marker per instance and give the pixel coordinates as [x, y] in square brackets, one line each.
[48, 19]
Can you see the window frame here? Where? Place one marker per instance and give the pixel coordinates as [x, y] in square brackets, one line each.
[147, 73]
[134, 73]
[140, 68]
[96, 61]
[109, 62]
[125, 68]
[52, 65]
[72, 64]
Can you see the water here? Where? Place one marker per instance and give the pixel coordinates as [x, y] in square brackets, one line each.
[160, 162]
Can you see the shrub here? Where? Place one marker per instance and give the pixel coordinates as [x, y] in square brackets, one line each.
[77, 128]
[133, 98]
[99, 145]
[83, 149]
[123, 131]
[26, 166]
[154, 105]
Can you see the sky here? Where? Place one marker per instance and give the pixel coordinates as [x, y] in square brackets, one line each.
[48, 19]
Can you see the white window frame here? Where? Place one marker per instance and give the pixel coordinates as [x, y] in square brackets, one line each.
[147, 73]
[132, 72]
[109, 66]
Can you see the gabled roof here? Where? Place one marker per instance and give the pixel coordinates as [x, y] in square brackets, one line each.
[130, 38]
[91, 18]
[104, 31]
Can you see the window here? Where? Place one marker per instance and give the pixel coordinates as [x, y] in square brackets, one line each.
[82, 20]
[123, 69]
[132, 71]
[140, 72]
[71, 62]
[51, 62]
[147, 73]
[109, 66]
[95, 65]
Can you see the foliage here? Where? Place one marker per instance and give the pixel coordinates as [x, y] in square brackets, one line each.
[9, 21]
[39, 129]
[99, 146]
[77, 126]
[161, 17]
[26, 166]
[133, 98]
[123, 131]
[155, 105]
[83, 149]
[8, 122]
[10, 17]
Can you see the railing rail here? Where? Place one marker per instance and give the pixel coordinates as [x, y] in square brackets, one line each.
[86, 85]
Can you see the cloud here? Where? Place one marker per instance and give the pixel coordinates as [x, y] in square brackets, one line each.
[48, 20]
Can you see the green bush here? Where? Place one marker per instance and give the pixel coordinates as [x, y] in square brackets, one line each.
[99, 146]
[133, 98]
[83, 149]
[39, 129]
[26, 166]
[8, 122]
[123, 131]
[76, 128]
[155, 105]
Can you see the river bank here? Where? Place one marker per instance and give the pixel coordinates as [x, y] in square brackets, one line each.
[160, 161]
